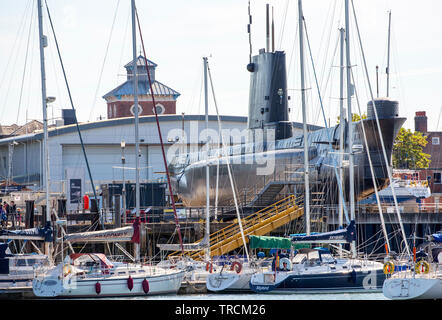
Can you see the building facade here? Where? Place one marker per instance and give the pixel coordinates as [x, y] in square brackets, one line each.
[120, 101]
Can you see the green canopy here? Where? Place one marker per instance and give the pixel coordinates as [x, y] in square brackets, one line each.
[265, 242]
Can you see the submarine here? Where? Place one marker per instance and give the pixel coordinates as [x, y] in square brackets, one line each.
[271, 160]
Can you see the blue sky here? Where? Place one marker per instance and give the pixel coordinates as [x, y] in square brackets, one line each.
[178, 34]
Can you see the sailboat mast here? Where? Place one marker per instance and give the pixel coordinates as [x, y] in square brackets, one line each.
[304, 121]
[341, 129]
[388, 54]
[43, 44]
[350, 124]
[206, 105]
[137, 140]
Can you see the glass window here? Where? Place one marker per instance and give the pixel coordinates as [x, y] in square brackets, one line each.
[299, 258]
[435, 140]
[21, 262]
[437, 177]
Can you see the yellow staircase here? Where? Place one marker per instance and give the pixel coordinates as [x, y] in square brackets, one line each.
[259, 223]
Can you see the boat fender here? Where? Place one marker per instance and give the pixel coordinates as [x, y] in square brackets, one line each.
[287, 261]
[98, 287]
[237, 266]
[422, 267]
[66, 270]
[209, 267]
[388, 267]
[145, 285]
[130, 283]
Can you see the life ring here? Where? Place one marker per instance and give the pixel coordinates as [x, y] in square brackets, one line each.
[209, 267]
[237, 266]
[422, 267]
[287, 261]
[388, 267]
[66, 269]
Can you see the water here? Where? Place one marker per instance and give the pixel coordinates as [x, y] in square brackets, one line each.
[251, 296]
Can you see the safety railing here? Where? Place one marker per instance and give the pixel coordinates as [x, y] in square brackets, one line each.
[259, 218]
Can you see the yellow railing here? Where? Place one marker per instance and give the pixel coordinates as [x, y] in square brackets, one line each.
[258, 223]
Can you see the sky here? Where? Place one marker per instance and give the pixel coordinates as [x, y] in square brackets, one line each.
[96, 42]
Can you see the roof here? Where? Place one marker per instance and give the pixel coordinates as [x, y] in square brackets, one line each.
[141, 62]
[56, 131]
[126, 88]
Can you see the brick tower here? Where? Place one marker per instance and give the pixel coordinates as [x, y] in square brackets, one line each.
[120, 101]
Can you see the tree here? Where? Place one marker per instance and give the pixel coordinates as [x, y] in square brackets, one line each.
[355, 117]
[407, 150]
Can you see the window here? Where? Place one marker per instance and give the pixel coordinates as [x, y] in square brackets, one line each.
[435, 141]
[140, 110]
[159, 108]
[437, 177]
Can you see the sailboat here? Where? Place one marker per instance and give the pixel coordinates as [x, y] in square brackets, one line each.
[421, 280]
[234, 276]
[316, 270]
[93, 274]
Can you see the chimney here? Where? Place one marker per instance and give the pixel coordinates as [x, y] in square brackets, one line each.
[420, 122]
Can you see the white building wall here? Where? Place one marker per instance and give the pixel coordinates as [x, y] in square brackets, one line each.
[102, 142]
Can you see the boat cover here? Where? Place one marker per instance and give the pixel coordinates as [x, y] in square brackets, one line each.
[111, 235]
[28, 234]
[266, 242]
[346, 235]
[437, 237]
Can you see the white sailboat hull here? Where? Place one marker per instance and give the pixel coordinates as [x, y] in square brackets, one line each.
[229, 281]
[413, 288]
[109, 286]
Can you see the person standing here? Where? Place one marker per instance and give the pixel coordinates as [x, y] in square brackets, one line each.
[13, 211]
[6, 210]
[3, 217]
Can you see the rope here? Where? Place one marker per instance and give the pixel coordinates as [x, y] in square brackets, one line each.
[228, 167]
[380, 134]
[72, 104]
[24, 68]
[160, 136]
[104, 60]
[325, 121]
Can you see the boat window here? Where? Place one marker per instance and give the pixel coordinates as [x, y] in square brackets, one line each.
[132, 272]
[31, 262]
[313, 257]
[299, 258]
[121, 273]
[21, 262]
[327, 258]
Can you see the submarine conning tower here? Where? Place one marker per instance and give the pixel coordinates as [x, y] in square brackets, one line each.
[268, 99]
[385, 107]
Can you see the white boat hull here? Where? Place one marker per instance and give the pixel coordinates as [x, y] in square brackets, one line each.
[229, 281]
[74, 286]
[413, 288]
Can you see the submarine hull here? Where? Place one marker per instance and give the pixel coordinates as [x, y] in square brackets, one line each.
[255, 167]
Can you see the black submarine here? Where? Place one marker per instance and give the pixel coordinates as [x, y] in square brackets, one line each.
[273, 157]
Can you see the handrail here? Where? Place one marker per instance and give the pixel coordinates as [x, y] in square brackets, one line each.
[222, 236]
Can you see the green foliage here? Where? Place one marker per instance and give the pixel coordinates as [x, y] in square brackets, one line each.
[407, 150]
[355, 117]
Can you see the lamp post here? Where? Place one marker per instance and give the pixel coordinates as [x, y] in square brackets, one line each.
[123, 162]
